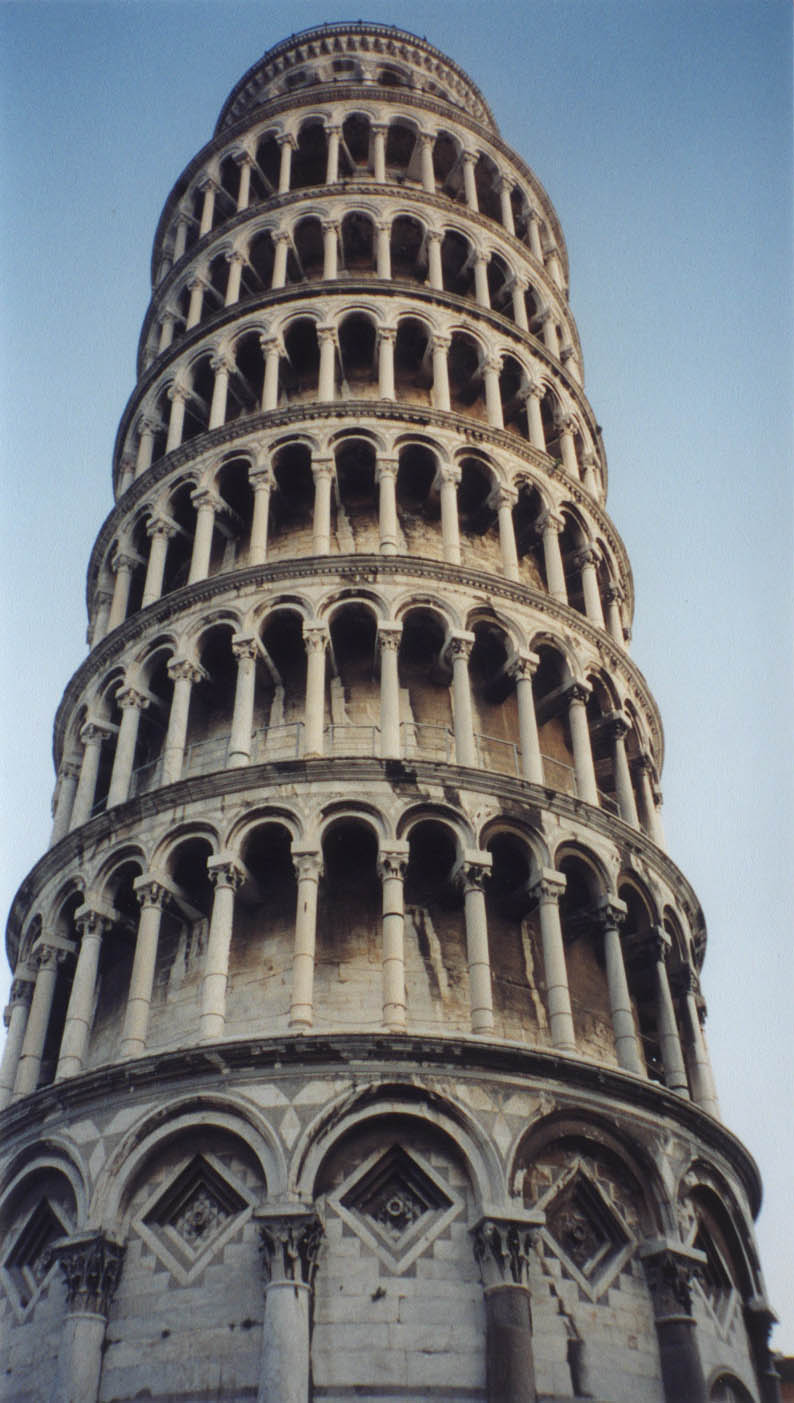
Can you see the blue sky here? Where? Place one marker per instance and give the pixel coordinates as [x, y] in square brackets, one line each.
[662, 132]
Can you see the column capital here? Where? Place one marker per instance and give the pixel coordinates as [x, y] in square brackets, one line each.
[315, 637]
[330, 226]
[206, 497]
[129, 698]
[614, 594]
[46, 955]
[524, 666]
[198, 280]
[70, 769]
[245, 646]
[91, 1264]
[308, 863]
[323, 468]
[177, 391]
[386, 468]
[434, 236]
[393, 861]
[578, 692]
[461, 644]
[588, 555]
[684, 981]
[669, 1267]
[549, 887]
[473, 870]
[493, 362]
[21, 992]
[242, 157]
[389, 636]
[152, 889]
[222, 361]
[287, 139]
[96, 730]
[611, 913]
[208, 182]
[441, 340]
[450, 472]
[502, 1245]
[617, 725]
[235, 255]
[387, 335]
[269, 342]
[124, 560]
[289, 1241]
[550, 521]
[643, 762]
[505, 182]
[504, 496]
[262, 478]
[660, 944]
[184, 669]
[94, 918]
[325, 334]
[148, 423]
[333, 128]
[225, 871]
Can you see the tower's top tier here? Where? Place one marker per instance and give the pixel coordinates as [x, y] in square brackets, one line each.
[357, 52]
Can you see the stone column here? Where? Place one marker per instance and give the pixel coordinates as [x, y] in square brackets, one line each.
[392, 864]
[46, 959]
[704, 1093]
[614, 599]
[287, 145]
[668, 1270]
[246, 651]
[222, 366]
[159, 531]
[15, 1019]
[502, 1250]
[323, 474]
[584, 771]
[326, 335]
[460, 646]
[523, 670]
[759, 1319]
[505, 499]
[183, 674]
[180, 236]
[209, 187]
[518, 291]
[333, 132]
[379, 151]
[290, 1243]
[66, 789]
[196, 287]
[493, 399]
[92, 924]
[271, 350]
[386, 478]
[551, 526]
[441, 399]
[131, 703]
[505, 186]
[426, 142]
[651, 821]
[281, 246]
[244, 160]
[389, 636]
[227, 876]
[592, 477]
[474, 871]
[236, 262]
[262, 483]
[618, 729]
[308, 870]
[469, 159]
[435, 273]
[330, 250]
[167, 324]
[102, 602]
[123, 566]
[482, 292]
[386, 338]
[586, 561]
[450, 526]
[178, 396]
[549, 331]
[92, 736]
[91, 1264]
[152, 892]
[146, 432]
[611, 915]
[383, 249]
[537, 433]
[548, 890]
[207, 503]
[669, 1038]
[315, 639]
[555, 267]
[533, 223]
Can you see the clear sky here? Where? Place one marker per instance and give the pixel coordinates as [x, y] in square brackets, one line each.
[662, 132]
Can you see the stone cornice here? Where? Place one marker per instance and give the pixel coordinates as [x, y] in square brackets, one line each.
[333, 94]
[220, 784]
[417, 1058]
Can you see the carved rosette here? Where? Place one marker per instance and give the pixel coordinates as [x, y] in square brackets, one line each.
[290, 1244]
[91, 1267]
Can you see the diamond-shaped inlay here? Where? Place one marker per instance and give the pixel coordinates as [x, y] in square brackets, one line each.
[187, 1222]
[29, 1261]
[585, 1231]
[397, 1205]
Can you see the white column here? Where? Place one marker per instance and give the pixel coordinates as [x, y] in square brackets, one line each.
[209, 187]
[245, 162]
[91, 1264]
[236, 262]
[326, 335]
[226, 876]
[167, 323]
[223, 366]
[534, 234]
[669, 1037]
[207, 504]
[518, 292]
[102, 602]
[46, 959]
[549, 330]
[176, 420]
[537, 436]
[506, 206]
[197, 287]
[287, 145]
[704, 1092]
[183, 674]
[379, 151]
[651, 818]
[592, 480]
[614, 599]
[460, 646]
[308, 870]
[481, 290]
[15, 1018]
[551, 527]
[315, 638]
[386, 477]
[568, 447]
[612, 914]
[152, 893]
[493, 399]
[548, 891]
[392, 864]
[246, 651]
[388, 644]
[450, 526]
[383, 249]
[159, 530]
[262, 482]
[586, 560]
[92, 925]
[474, 871]
[333, 132]
[66, 789]
[554, 266]
[330, 250]
[92, 736]
[435, 272]
[271, 348]
[281, 243]
[524, 669]
[180, 237]
[386, 338]
[426, 142]
[577, 696]
[323, 474]
[627, 808]
[290, 1241]
[123, 566]
[505, 499]
[441, 399]
[469, 159]
[131, 704]
[143, 457]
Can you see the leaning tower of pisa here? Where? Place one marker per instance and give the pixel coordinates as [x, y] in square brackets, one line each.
[355, 1041]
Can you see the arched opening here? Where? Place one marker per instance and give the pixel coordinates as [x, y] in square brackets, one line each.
[457, 264]
[262, 948]
[354, 693]
[493, 697]
[513, 392]
[117, 952]
[436, 967]
[529, 546]
[500, 286]
[355, 160]
[291, 503]
[310, 157]
[402, 153]
[572, 541]
[257, 274]
[447, 167]
[215, 292]
[550, 421]
[413, 362]
[357, 356]
[425, 703]
[520, 207]
[417, 502]
[199, 399]
[153, 723]
[486, 177]
[229, 189]
[601, 708]
[466, 386]
[211, 705]
[139, 553]
[233, 520]
[358, 243]
[549, 687]
[357, 496]
[307, 241]
[244, 395]
[281, 691]
[299, 368]
[64, 928]
[514, 939]
[584, 958]
[408, 252]
[268, 163]
[184, 927]
[640, 963]
[347, 968]
[477, 517]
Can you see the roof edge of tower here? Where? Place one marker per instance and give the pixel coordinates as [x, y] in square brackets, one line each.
[350, 27]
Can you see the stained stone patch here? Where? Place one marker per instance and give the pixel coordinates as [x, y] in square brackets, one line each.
[187, 1223]
[715, 1282]
[29, 1261]
[585, 1231]
[397, 1205]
